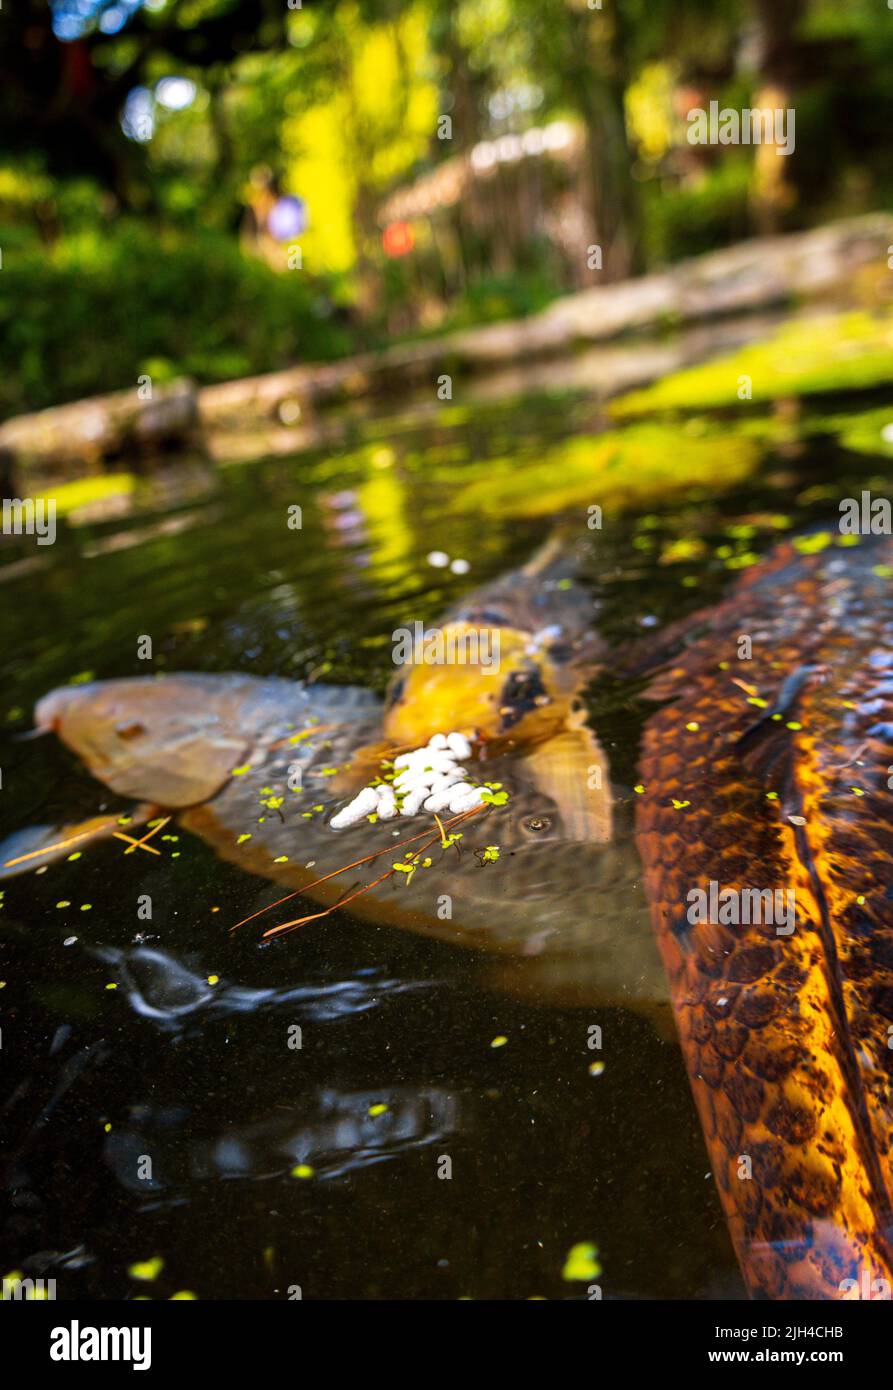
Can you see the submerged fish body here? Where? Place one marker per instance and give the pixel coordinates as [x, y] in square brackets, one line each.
[258, 767]
[559, 900]
[773, 773]
[765, 779]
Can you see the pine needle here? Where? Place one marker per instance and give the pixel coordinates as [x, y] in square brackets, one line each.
[427, 835]
[61, 844]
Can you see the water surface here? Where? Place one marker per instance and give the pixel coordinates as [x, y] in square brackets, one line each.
[199, 1078]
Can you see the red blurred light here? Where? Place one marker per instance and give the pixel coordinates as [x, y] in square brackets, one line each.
[397, 239]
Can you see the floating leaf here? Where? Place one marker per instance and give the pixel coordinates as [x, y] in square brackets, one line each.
[582, 1262]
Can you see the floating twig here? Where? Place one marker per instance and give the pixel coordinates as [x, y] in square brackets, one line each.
[427, 835]
[61, 844]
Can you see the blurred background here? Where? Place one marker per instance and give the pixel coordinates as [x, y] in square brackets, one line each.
[225, 187]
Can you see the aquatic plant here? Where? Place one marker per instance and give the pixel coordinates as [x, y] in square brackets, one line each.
[834, 352]
[620, 469]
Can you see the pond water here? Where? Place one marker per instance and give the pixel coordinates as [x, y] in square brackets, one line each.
[545, 1153]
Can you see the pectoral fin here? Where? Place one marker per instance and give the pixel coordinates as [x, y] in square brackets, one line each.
[42, 844]
[767, 747]
[572, 770]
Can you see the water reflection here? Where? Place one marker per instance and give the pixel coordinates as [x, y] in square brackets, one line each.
[327, 1134]
[164, 989]
[197, 1075]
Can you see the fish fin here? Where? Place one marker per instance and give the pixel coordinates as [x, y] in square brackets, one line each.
[30, 849]
[767, 752]
[766, 746]
[572, 770]
[648, 657]
[555, 559]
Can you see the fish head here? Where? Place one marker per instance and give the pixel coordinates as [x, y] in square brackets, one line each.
[173, 741]
[493, 683]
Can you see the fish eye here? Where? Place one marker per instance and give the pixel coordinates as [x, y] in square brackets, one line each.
[536, 824]
[130, 731]
[523, 687]
[521, 692]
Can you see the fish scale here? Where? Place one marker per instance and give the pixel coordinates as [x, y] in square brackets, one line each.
[498, 906]
[786, 1038]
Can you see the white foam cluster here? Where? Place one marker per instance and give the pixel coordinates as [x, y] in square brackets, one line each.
[427, 779]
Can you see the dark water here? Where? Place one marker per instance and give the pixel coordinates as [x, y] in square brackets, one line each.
[199, 1078]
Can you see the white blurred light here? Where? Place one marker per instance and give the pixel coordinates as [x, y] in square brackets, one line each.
[508, 147]
[113, 19]
[289, 410]
[176, 93]
[557, 135]
[138, 118]
[67, 27]
[529, 97]
[483, 156]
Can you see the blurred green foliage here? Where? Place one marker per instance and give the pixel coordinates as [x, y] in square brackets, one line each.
[132, 216]
[691, 218]
[101, 307]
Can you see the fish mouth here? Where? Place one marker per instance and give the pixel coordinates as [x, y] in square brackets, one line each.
[48, 711]
[51, 709]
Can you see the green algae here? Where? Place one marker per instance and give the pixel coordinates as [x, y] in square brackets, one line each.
[836, 352]
[582, 1262]
[619, 470]
[81, 492]
[862, 432]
